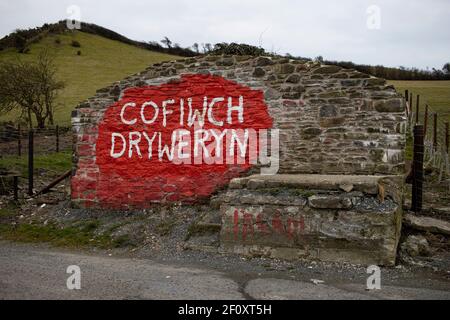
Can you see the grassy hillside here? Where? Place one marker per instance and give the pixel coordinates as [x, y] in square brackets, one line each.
[435, 93]
[102, 62]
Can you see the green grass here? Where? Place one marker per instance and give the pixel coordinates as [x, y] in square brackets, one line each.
[77, 234]
[434, 93]
[101, 63]
[82, 235]
[7, 211]
[57, 162]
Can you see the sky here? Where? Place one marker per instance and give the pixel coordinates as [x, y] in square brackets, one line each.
[410, 33]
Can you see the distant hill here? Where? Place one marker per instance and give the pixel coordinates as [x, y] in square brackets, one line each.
[21, 39]
[394, 73]
[105, 56]
[101, 62]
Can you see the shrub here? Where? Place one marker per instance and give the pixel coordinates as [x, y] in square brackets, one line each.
[237, 49]
[58, 41]
[75, 44]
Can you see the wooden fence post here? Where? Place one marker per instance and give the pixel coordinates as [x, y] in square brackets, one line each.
[30, 161]
[446, 137]
[57, 138]
[417, 184]
[408, 111]
[434, 131]
[425, 121]
[19, 141]
[417, 109]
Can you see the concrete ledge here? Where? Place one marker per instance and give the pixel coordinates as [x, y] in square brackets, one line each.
[354, 219]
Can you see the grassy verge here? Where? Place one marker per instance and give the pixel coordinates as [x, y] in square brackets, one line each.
[81, 234]
[74, 237]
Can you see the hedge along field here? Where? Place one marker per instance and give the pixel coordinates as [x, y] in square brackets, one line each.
[102, 61]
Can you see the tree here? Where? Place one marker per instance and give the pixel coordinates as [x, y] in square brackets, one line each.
[446, 68]
[195, 47]
[49, 85]
[167, 42]
[207, 47]
[30, 88]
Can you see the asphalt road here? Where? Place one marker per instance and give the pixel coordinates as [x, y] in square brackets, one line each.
[36, 272]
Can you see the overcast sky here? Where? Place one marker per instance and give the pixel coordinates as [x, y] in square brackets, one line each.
[412, 33]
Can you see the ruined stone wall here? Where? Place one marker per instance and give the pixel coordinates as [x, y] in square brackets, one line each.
[331, 120]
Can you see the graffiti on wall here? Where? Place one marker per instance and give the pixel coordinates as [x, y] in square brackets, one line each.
[178, 141]
[246, 225]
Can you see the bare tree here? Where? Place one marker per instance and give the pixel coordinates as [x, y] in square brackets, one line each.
[30, 88]
[49, 85]
[207, 47]
[167, 42]
[195, 47]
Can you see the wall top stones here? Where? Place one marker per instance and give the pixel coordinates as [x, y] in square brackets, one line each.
[332, 120]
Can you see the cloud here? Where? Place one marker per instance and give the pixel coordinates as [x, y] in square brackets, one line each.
[413, 33]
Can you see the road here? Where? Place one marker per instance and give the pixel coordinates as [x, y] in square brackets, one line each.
[36, 272]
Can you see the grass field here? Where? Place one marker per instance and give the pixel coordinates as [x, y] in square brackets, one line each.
[102, 61]
[435, 93]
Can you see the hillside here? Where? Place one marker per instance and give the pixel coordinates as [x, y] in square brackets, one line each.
[102, 61]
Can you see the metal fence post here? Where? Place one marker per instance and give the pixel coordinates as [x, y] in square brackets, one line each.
[435, 124]
[417, 185]
[446, 137]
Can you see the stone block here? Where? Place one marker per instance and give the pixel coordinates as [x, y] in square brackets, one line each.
[333, 225]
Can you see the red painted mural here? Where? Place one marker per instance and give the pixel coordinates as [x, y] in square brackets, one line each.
[178, 141]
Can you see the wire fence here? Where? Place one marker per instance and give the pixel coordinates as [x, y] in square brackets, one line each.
[14, 140]
[430, 147]
[436, 136]
[21, 144]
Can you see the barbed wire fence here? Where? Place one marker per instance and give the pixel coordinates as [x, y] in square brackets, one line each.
[432, 150]
[14, 140]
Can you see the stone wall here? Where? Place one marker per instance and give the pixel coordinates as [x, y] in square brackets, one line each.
[331, 120]
[353, 219]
